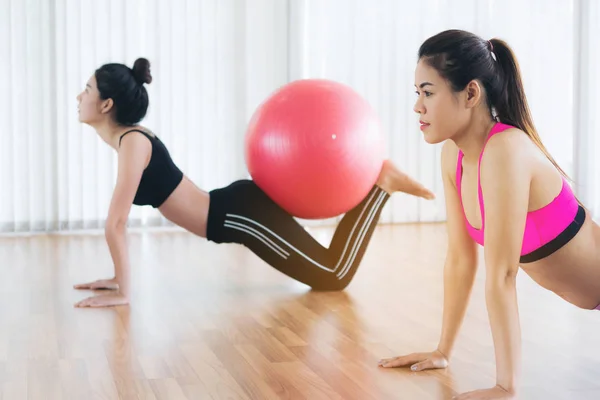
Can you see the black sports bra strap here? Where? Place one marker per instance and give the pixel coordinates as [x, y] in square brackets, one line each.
[135, 130]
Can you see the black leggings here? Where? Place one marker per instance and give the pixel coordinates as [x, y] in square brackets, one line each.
[242, 213]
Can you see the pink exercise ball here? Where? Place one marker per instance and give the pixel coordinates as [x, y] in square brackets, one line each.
[315, 147]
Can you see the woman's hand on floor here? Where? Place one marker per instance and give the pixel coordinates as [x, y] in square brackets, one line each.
[417, 361]
[104, 300]
[100, 284]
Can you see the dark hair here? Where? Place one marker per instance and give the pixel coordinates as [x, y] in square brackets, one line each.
[460, 57]
[125, 86]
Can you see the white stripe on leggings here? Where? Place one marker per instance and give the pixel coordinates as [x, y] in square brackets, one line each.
[301, 253]
[357, 243]
[260, 237]
[352, 231]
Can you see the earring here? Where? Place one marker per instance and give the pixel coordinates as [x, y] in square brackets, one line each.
[494, 114]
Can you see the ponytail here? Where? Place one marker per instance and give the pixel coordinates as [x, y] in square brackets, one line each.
[511, 106]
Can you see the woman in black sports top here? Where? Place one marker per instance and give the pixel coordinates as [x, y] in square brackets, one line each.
[113, 103]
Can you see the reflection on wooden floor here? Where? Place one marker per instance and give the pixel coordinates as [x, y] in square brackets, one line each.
[214, 322]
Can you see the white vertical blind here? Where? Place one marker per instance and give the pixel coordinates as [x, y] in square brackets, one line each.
[587, 103]
[214, 61]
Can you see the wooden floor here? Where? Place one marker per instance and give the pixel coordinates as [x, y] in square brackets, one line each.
[213, 322]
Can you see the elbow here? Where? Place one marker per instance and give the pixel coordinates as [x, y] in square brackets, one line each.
[501, 278]
[461, 266]
[501, 294]
[467, 261]
[115, 227]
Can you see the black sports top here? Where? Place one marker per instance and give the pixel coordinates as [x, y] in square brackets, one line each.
[161, 176]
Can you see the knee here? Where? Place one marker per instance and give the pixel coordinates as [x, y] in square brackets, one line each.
[331, 285]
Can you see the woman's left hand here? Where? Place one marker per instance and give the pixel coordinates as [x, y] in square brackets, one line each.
[103, 300]
[495, 393]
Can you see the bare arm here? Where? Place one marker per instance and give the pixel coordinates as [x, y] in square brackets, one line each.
[134, 153]
[505, 182]
[461, 257]
[459, 274]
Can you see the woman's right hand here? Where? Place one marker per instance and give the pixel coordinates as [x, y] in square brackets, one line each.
[106, 284]
[417, 361]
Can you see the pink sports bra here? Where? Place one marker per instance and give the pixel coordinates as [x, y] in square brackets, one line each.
[546, 229]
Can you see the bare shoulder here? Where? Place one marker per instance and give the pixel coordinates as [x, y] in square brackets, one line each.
[512, 140]
[449, 158]
[133, 138]
[136, 131]
[510, 136]
[511, 149]
[134, 151]
[449, 150]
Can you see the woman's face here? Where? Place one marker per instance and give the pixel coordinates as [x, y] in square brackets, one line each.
[442, 111]
[91, 108]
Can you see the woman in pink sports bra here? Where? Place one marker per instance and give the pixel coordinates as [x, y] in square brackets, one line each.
[503, 191]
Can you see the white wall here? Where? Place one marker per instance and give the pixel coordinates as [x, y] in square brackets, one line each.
[214, 61]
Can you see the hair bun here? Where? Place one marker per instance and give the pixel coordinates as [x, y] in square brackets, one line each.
[141, 71]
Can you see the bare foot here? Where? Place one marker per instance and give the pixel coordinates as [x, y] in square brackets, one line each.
[391, 179]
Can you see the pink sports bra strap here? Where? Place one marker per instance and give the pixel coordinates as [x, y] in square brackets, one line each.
[498, 127]
[459, 172]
